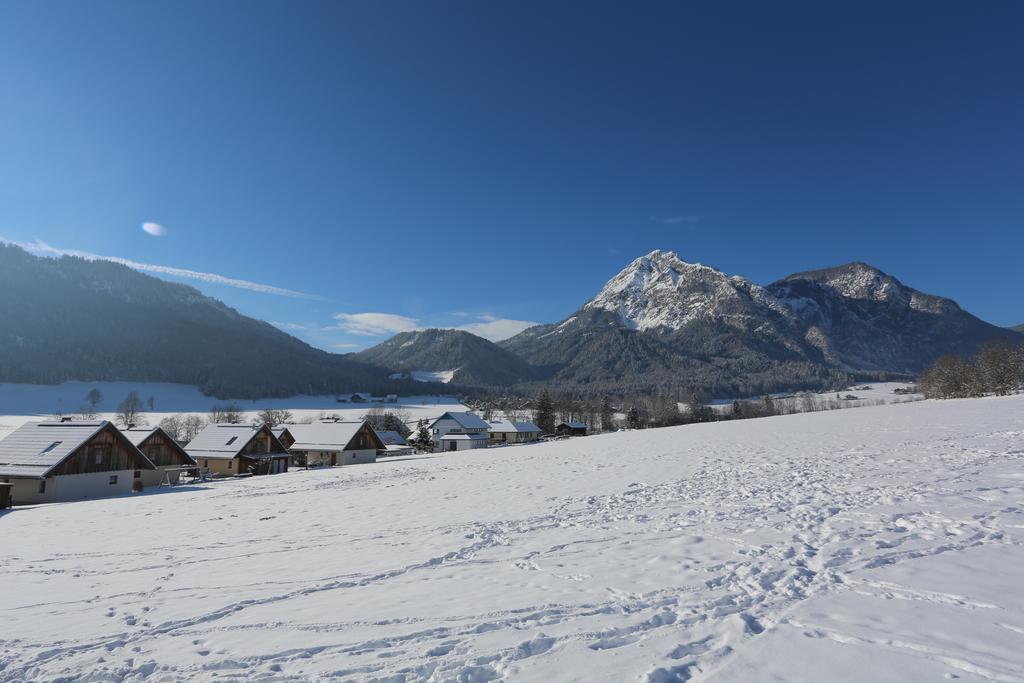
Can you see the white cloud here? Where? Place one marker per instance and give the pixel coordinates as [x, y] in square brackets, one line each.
[497, 329]
[41, 248]
[675, 220]
[345, 346]
[287, 326]
[154, 229]
[374, 324]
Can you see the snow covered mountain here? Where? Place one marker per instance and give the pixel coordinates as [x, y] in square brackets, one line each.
[659, 291]
[664, 322]
[866, 320]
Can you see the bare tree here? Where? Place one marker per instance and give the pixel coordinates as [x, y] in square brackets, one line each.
[93, 398]
[129, 411]
[173, 426]
[999, 368]
[273, 417]
[191, 425]
[221, 413]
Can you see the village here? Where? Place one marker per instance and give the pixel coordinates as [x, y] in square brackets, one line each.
[67, 459]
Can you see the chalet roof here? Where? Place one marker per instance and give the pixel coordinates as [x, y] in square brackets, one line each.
[36, 448]
[328, 436]
[465, 420]
[575, 424]
[228, 441]
[138, 436]
[509, 426]
[391, 438]
[463, 437]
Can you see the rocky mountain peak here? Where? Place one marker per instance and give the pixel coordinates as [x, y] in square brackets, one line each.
[660, 290]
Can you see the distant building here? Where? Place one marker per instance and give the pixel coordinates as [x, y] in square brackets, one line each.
[48, 462]
[227, 450]
[391, 398]
[508, 432]
[335, 443]
[166, 454]
[459, 432]
[573, 428]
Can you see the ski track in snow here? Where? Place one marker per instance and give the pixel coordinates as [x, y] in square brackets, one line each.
[691, 553]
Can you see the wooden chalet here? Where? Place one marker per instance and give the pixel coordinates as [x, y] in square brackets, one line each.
[48, 462]
[228, 450]
[332, 443]
[164, 452]
[571, 428]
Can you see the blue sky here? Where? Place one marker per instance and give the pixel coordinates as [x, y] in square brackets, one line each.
[350, 169]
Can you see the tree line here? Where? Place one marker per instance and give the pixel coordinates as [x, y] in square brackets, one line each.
[996, 369]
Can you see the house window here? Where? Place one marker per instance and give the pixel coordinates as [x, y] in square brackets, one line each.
[42, 486]
[230, 462]
[206, 463]
[231, 441]
[100, 453]
[50, 447]
[138, 474]
[113, 479]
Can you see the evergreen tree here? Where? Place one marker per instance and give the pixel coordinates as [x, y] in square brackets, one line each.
[544, 416]
[633, 418]
[422, 440]
[607, 415]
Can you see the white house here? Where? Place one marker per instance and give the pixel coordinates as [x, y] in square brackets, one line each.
[47, 462]
[459, 432]
[335, 443]
[508, 432]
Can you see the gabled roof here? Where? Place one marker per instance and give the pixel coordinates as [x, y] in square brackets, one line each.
[465, 420]
[36, 448]
[509, 426]
[279, 431]
[228, 441]
[139, 436]
[329, 436]
[391, 438]
[575, 424]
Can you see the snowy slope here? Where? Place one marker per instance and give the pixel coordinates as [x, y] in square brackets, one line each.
[880, 544]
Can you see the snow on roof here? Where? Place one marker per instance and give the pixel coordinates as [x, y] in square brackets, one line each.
[391, 438]
[228, 440]
[138, 436]
[463, 437]
[509, 426]
[575, 424]
[466, 420]
[326, 436]
[35, 448]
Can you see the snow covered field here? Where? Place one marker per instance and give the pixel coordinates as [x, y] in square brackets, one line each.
[20, 403]
[879, 544]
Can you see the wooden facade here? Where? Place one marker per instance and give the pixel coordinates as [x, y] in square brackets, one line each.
[107, 451]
